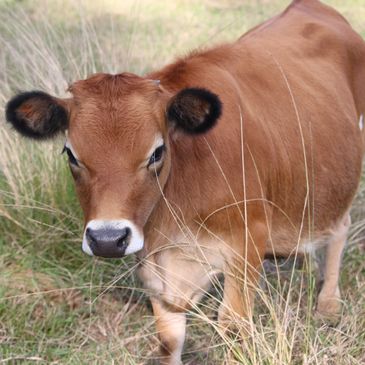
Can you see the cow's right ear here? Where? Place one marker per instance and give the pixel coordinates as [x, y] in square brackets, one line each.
[38, 115]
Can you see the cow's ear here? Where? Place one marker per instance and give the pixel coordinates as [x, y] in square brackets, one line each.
[194, 110]
[38, 115]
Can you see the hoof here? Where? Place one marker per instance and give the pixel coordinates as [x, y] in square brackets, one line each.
[233, 326]
[329, 309]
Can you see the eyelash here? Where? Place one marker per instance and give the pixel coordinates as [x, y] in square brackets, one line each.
[71, 158]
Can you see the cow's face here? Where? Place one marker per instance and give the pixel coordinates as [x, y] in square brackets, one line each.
[117, 141]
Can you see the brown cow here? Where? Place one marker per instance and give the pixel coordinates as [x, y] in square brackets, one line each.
[231, 153]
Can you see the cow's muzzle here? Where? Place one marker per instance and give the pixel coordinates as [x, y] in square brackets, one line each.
[108, 242]
[111, 239]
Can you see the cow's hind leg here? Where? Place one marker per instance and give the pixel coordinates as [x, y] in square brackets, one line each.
[329, 299]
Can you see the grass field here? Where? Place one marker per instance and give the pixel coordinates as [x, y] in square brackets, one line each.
[58, 306]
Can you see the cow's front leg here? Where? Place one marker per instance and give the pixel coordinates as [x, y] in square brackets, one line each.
[238, 298]
[237, 301]
[170, 327]
[241, 278]
[329, 299]
[177, 278]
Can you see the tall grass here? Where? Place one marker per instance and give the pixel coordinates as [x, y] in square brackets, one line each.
[57, 305]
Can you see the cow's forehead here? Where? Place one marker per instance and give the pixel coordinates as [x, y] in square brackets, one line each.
[114, 112]
[105, 98]
[109, 95]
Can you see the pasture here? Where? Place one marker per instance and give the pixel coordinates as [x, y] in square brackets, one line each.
[59, 306]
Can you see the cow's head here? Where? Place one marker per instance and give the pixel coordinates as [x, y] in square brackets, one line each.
[117, 141]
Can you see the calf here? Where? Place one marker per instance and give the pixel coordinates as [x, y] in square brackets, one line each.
[224, 156]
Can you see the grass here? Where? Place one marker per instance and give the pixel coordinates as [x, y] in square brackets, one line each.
[58, 306]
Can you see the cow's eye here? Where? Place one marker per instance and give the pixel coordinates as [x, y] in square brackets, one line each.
[156, 155]
[71, 158]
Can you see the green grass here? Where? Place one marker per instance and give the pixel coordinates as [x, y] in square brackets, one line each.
[59, 306]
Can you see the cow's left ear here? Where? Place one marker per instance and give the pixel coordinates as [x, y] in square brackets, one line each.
[194, 110]
[37, 115]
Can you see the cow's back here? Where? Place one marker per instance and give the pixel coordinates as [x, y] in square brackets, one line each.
[309, 30]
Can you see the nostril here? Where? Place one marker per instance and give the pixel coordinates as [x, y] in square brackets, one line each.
[124, 238]
[90, 235]
[127, 232]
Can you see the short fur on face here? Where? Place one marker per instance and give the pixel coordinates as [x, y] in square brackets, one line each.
[194, 110]
[37, 115]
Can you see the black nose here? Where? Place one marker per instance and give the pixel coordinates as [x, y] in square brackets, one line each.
[108, 242]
